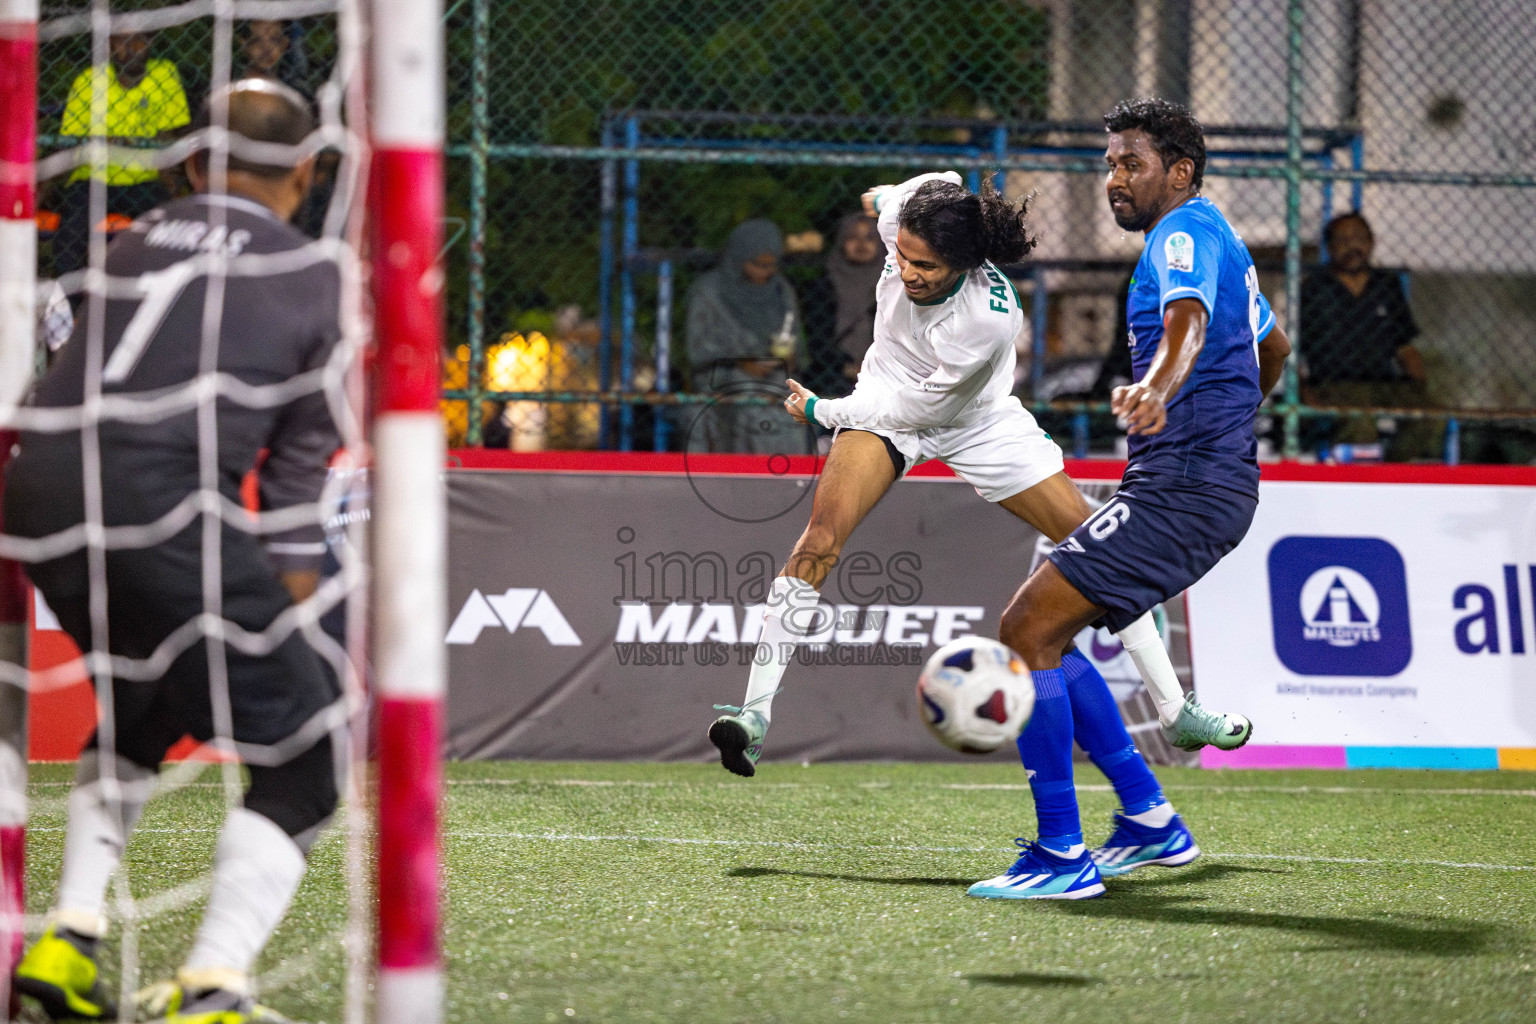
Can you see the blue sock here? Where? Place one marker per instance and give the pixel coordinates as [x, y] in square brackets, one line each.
[1100, 731]
[1045, 746]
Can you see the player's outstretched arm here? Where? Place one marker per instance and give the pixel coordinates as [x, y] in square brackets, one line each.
[1273, 352]
[1144, 406]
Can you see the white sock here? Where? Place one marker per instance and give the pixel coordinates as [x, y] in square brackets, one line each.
[1156, 817]
[791, 599]
[1069, 852]
[102, 815]
[256, 871]
[1146, 649]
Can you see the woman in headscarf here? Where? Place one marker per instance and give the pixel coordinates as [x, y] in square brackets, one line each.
[854, 267]
[743, 337]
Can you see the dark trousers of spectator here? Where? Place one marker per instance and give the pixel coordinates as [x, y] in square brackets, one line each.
[71, 242]
[1413, 439]
[1498, 443]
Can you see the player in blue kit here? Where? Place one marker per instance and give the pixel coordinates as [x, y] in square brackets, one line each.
[1206, 351]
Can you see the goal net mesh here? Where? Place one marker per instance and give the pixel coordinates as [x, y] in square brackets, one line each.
[318, 966]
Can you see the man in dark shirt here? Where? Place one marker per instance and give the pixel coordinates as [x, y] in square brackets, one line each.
[1357, 339]
[274, 336]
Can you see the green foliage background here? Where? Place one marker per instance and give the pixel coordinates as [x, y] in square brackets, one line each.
[552, 79]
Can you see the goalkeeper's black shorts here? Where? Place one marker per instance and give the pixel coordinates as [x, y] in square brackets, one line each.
[153, 593]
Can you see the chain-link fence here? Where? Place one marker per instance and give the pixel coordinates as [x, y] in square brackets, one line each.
[605, 151]
[602, 153]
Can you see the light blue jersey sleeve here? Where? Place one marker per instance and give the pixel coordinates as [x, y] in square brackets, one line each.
[1260, 317]
[1188, 264]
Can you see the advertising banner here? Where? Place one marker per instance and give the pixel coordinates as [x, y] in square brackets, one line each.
[1376, 625]
[604, 615]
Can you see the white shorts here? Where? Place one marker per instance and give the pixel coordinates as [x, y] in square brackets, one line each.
[1000, 450]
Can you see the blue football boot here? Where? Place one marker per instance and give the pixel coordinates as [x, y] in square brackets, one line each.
[1131, 845]
[1039, 874]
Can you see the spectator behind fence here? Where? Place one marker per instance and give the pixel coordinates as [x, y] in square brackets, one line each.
[266, 52]
[744, 337]
[854, 268]
[1357, 340]
[144, 100]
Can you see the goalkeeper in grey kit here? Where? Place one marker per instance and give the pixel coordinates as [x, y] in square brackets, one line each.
[280, 295]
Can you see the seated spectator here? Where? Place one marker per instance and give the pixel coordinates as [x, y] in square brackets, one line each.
[144, 100]
[265, 52]
[854, 268]
[1357, 342]
[743, 338]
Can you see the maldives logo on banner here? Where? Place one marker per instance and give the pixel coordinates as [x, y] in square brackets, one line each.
[1339, 606]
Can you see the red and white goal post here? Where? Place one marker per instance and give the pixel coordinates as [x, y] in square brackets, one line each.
[409, 540]
[405, 101]
[18, 289]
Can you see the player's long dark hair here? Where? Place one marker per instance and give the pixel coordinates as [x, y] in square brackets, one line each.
[964, 228]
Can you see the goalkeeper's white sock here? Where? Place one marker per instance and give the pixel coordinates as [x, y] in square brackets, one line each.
[790, 616]
[256, 871]
[1146, 649]
[101, 818]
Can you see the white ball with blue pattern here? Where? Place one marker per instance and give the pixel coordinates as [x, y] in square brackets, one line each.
[975, 695]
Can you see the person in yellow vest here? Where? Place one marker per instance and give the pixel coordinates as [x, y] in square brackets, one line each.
[142, 99]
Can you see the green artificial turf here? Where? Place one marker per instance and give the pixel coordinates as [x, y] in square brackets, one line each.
[630, 892]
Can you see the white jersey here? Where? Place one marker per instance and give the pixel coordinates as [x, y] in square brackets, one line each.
[933, 364]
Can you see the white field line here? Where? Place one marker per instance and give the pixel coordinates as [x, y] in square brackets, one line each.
[1022, 787]
[577, 837]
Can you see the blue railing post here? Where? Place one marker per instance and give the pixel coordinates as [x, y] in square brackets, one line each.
[1000, 150]
[1357, 163]
[1039, 321]
[1080, 435]
[631, 245]
[659, 413]
[609, 205]
[1453, 442]
[1325, 214]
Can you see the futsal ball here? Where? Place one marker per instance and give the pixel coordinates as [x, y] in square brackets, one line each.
[975, 695]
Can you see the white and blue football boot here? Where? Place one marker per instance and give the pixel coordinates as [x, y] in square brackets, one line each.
[1196, 726]
[740, 739]
[1039, 874]
[1132, 845]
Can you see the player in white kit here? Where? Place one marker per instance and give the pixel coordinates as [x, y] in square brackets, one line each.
[936, 384]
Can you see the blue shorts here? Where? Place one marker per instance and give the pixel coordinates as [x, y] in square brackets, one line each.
[1151, 541]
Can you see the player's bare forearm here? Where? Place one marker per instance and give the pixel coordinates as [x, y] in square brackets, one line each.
[1144, 406]
[1273, 352]
[1184, 323]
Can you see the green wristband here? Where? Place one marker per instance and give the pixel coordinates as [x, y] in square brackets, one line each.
[810, 410]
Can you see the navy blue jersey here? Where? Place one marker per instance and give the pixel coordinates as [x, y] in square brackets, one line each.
[1194, 253]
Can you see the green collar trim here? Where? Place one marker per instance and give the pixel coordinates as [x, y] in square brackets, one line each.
[946, 296]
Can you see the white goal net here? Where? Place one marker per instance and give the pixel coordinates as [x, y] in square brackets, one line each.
[114, 103]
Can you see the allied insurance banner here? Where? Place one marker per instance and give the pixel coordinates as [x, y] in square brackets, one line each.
[598, 614]
[1376, 625]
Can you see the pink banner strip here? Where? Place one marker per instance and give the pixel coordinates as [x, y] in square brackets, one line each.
[1253, 756]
